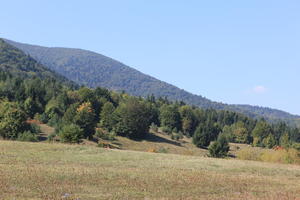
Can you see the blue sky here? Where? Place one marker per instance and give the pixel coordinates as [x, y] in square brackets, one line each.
[242, 52]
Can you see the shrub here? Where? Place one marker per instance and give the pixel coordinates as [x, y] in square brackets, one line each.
[249, 153]
[34, 128]
[54, 121]
[71, 133]
[105, 135]
[27, 136]
[41, 117]
[166, 130]
[286, 156]
[269, 141]
[285, 140]
[296, 146]
[219, 148]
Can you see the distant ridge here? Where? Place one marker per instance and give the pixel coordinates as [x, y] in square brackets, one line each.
[92, 69]
[16, 62]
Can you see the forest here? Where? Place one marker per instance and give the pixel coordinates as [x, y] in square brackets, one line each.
[29, 91]
[85, 113]
[95, 70]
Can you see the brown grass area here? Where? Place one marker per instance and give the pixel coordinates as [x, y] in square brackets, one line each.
[156, 142]
[59, 171]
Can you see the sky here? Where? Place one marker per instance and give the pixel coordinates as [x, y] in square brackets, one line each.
[233, 51]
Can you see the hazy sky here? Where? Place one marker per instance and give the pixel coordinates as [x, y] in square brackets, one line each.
[242, 52]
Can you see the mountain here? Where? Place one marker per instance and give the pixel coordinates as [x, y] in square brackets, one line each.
[93, 69]
[16, 62]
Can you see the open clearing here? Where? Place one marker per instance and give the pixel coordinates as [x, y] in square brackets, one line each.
[61, 171]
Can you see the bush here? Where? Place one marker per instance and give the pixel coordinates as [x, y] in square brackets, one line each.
[27, 136]
[166, 130]
[219, 148]
[34, 128]
[285, 156]
[105, 135]
[41, 117]
[269, 141]
[296, 146]
[71, 133]
[54, 121]
[249, 153]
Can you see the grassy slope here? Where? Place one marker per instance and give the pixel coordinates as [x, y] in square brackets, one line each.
[157, 142]
[49, 171]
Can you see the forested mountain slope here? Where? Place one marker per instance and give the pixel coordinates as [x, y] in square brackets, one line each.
[16, 62]
[93, 69]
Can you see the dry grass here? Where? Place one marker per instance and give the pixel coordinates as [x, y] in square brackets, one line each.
[157, 142]
[60, 171]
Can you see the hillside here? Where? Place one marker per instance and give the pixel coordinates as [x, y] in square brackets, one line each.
[38, 171]
[93, 69]
[16, 62]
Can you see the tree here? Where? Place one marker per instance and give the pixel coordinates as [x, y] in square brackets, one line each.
[85, 119]
[70, 113]
[261, 131]
[71, 133]
[205, 133]
[227, 131]
[188, 121]
[285, 140]
[31, 107]
[53, 108]
[201, 138]
[269, 141]
[12, 120]
[240, 133]
[219, 148]
[107, 120]
[132, 119]
[237, 132]
[295, 135]
[280, 129]
[170, 117]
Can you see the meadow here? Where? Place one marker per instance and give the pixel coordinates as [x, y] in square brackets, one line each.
[61, 171]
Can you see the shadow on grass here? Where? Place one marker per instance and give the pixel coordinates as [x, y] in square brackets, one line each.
[42, 138]
[155, 138]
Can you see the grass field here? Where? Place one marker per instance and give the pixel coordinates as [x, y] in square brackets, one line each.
[61, 171]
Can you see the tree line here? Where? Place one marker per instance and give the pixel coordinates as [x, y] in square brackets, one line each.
[88, 113]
